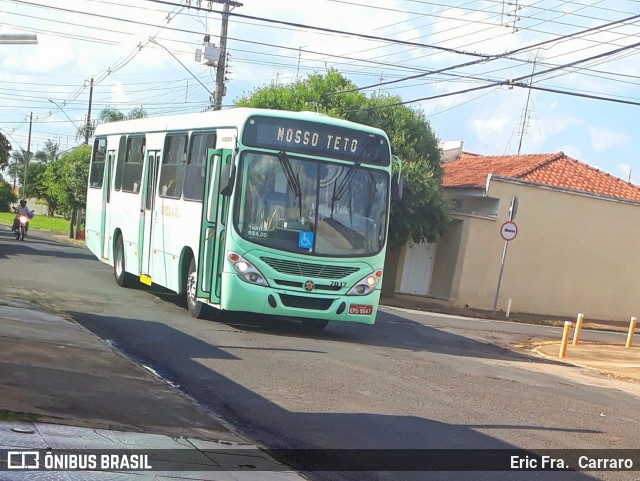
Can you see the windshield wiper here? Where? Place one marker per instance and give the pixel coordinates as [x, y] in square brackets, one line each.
[367, 151]
[292, 179]
[340, 190]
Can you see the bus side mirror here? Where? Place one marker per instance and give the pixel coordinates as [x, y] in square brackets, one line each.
[227, 179]
[396, 186]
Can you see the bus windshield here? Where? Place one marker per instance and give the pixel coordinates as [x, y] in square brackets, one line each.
[310, 206]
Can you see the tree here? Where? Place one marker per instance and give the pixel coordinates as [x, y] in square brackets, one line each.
[5, 148]
[66, 182]
[33, 186]
[20, 159]
[137, 113]
[110, 114]
[7, 197]
[49, 153]
[46, 156]
[422, 213]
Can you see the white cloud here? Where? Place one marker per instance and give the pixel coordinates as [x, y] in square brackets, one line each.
[118, 94]
[603, 139]
[625, 170]
[573, 152]
[49, 54]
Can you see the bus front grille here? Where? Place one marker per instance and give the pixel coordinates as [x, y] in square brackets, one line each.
[312, 303]
[307, 269]
[300, 285]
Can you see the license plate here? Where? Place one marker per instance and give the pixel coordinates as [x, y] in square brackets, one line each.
[360, 309]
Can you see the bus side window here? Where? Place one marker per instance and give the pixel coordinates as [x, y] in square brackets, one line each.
[96, 174]
[196, 165]
[132, 172]
[122, 150]
[173, 166]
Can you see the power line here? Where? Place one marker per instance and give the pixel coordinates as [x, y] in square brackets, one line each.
[333, 31]
[489, 58]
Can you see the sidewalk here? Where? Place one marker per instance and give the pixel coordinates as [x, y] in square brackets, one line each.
[609, 359]
[62, 388]
[434, 305]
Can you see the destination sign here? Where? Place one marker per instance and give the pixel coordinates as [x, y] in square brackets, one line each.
[315, 138]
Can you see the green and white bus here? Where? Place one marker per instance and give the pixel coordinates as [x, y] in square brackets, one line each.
[261, 211]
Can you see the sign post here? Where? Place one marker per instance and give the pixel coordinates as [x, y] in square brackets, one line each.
[508, 231]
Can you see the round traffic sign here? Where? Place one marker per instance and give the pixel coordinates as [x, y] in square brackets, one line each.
[509, 230]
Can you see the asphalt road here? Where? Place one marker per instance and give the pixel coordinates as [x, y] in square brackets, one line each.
[413, 380]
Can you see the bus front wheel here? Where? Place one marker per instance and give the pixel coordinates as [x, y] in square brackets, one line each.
[196, 308]
[123, 278]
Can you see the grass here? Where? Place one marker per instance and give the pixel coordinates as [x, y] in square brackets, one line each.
[17, 416]
[54, 224]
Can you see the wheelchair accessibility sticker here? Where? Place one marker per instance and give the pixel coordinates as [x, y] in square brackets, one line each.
[305, 240]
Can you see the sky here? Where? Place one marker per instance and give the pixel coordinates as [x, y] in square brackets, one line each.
[460, 56]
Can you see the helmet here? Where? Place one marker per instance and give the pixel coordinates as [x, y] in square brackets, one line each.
[23, 202]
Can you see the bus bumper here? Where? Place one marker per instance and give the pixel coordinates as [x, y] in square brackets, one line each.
[238, 295]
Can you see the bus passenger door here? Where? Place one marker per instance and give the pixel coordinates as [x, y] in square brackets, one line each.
[148, 216]
[211, 229]
[105, 224]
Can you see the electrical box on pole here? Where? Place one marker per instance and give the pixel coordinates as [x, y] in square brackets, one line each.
[209, 54]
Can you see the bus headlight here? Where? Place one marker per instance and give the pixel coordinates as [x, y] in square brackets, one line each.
[245, 270]
[367, 285]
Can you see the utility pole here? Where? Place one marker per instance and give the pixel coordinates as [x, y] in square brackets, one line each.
[221, 70]
[525, 114]
[26, 165]
[87, 127]
[207, 55]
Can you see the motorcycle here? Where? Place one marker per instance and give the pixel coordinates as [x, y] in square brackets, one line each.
[22, 228]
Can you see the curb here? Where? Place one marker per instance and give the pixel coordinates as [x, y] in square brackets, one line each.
[605, 372]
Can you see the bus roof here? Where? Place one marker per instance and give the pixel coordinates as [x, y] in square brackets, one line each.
[219, 118]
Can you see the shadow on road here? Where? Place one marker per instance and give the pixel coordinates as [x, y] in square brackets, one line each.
[9, 246]
[390, 331]
[160, 346]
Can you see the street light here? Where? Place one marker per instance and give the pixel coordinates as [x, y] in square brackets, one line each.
[155, 42]
[18, 39]
[65, 114]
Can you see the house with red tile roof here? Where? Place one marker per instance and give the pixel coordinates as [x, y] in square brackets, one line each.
[577, 247]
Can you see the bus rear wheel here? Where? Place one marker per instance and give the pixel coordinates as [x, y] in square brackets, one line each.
[123, 278]
[196, 308]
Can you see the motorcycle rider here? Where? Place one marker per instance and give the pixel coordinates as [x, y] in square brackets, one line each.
[21, 209]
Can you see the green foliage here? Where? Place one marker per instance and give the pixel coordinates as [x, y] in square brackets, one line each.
[5, 147]
[34, 187]
[310, 94]
[65, 180]
[137, 113]
[18, 163]
[109, 114]
[422, 213]
[7, 197]
[49, 153]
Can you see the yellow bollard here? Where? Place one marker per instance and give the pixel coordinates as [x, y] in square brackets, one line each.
[565, 339]
[576, 334]
[632, 327]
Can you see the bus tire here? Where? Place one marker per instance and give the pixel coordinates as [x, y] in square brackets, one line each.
[123, 278]
[196, 308]
[315, 324]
